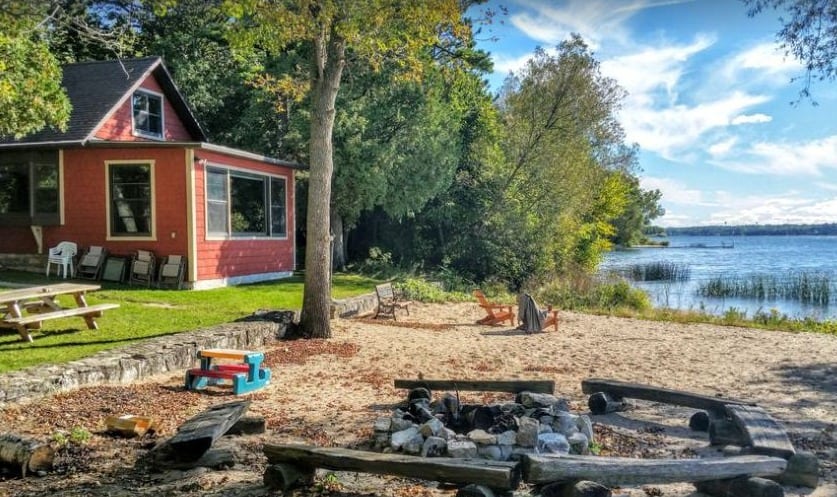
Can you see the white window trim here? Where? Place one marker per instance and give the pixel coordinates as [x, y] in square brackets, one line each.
[144, 134]
[229, 235]
[115, 238]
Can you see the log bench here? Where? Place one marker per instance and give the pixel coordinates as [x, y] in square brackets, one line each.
[294, 465]
[615, 471]
[614, 391]
[730, 422]
[506, 386]
[245, 376]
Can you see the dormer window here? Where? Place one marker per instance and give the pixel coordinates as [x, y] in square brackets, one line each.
[148, 114]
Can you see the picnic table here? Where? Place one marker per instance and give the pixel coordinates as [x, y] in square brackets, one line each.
[25, 309]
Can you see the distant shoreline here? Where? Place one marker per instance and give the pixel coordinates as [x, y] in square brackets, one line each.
[826, 229]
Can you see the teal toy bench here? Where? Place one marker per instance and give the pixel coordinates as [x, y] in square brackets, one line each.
[245, 375]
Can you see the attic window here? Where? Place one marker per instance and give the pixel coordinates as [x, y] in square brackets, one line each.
[148, 114]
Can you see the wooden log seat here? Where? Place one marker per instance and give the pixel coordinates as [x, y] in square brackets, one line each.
[618, 390]
[507, 386]
[614, 471]
[293, 465]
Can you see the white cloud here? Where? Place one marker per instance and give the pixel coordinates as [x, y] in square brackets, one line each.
[504, 64]
[722, 147]
[791, 208]
[594, 20]
[809, 158]
[751, 119]
[672, 129]
[675, 192]
[764, 61]
[651, 69]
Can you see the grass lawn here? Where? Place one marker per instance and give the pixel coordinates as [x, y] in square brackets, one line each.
[145, 313]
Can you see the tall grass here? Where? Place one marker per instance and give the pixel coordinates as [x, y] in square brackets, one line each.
[804, 287]
[656, 271]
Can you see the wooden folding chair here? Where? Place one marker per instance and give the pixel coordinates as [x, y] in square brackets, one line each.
[495, 313]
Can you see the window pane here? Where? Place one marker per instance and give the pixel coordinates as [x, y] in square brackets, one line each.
[14, 189]
[216, 217]
[46, 189]
[216, 185]
[130, 193]
[278, 221]
[148, 113]
[247, 212]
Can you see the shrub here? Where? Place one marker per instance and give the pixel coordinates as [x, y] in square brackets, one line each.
[579, 291]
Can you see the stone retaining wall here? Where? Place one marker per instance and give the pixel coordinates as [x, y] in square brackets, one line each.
[168, 354]
[33, 263]
[354, 306]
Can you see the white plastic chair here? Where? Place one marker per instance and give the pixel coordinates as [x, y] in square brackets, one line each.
[62, 256]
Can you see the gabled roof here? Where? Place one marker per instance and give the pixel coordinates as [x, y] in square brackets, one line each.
[97, 89]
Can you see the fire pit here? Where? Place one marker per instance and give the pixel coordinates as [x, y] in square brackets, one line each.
[533, 423]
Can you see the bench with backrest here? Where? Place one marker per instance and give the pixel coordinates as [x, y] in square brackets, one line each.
[389, 301]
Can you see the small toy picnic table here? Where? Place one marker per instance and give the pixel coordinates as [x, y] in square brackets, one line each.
[25, 309]
[246, 374]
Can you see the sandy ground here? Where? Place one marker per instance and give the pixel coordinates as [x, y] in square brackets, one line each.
[330, 392]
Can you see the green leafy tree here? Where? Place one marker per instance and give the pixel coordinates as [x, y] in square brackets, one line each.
[370, 32]
[31, 96]
[809, 33]
[634, 222]
[557, 195]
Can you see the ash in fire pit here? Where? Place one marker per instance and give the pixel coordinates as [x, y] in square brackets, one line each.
[535, 423]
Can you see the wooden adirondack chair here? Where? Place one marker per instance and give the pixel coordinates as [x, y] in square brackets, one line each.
[496, 313]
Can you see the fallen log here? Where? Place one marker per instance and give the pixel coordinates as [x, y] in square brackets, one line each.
[196, 436]
[627, 471]
[741, 487]
[621, 389]
[494, 474]
[26, 454]
[510, 386]
[604, 403]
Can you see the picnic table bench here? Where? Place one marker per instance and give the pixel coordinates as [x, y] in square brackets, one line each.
[25, 309]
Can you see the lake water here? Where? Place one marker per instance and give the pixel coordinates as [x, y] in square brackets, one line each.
[779, 256]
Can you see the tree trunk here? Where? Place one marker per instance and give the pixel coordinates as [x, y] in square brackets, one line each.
[26, 454]
[329, 60]
[338, 252]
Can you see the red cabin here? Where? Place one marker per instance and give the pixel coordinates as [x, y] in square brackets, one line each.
[134, 172]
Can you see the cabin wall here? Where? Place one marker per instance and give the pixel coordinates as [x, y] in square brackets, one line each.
[85, 194]
[119, 127]
[239, 260]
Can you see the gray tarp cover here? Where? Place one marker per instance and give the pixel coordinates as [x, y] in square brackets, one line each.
[528, 312]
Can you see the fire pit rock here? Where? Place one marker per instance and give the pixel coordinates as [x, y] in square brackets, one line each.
[535, 423]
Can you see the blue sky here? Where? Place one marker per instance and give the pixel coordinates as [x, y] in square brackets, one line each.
[709, 96]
